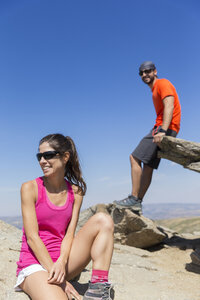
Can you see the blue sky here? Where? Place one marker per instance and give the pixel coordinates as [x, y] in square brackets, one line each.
[72, 67]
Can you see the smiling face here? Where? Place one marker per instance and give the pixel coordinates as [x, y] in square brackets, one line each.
[54, 165]
[148, 76]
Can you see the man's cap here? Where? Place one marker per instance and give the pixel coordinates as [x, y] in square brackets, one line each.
[147, 65]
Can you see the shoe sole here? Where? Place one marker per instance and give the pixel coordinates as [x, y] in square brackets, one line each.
[132, 207]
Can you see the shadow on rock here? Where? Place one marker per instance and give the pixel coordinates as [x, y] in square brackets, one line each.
[182, 243]
[192, 268]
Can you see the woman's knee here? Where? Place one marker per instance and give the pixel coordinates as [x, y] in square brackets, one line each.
[104, 221]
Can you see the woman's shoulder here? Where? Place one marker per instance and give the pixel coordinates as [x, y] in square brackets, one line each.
[76, 190]
[28, 186]
[78, 195]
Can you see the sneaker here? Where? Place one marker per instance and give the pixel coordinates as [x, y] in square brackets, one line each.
[131, 201]
[99, 291]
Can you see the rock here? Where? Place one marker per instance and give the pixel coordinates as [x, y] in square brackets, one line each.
[185, 153]
[10, 245]
[193, 268]
[196, 232]
[130, 228]
[183, 241]
[136, 273]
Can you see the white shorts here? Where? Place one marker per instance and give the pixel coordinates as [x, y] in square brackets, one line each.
[26, 272]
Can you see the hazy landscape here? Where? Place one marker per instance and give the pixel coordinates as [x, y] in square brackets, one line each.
[172, 215]
[158, 211]
[182, 225]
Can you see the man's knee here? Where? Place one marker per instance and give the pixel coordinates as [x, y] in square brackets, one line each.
[134, 161]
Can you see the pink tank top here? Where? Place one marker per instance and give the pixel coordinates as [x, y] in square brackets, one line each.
[53, 222]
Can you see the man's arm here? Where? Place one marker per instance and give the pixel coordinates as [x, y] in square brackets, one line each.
[168, 103]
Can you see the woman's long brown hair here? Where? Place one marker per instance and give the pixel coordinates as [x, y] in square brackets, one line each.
[73, 172]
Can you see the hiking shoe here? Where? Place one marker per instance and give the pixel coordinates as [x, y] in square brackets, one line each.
[99, 291]
[131, 201]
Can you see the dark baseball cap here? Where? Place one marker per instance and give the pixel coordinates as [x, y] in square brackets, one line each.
[147, 65]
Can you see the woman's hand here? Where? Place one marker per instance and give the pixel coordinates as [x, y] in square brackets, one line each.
[71, 292]
[57, 273]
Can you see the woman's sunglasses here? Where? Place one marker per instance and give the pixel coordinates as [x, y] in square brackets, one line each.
[145, 71]
[47, 155]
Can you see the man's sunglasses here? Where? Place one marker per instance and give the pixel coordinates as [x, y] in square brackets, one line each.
[145, 71]
[47, 155]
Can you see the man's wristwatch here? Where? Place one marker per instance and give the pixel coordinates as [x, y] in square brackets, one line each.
[158, 129]
[162, 130]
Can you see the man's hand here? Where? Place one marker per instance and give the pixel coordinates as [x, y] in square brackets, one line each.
[157, 138]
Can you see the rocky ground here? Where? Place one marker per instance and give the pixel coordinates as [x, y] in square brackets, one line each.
[163, 272]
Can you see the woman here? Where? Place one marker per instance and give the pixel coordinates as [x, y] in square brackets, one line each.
[50, 252]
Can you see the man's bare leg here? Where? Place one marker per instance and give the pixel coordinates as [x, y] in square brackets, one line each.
[141, 177]
[136, 175]
[145, 181]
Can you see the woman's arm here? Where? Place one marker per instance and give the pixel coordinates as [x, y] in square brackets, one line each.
[67, 241]
[58, 270]
[28, 199]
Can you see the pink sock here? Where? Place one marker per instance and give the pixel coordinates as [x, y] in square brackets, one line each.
[99, 276]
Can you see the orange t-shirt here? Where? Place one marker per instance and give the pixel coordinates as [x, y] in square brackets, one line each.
[161, 89]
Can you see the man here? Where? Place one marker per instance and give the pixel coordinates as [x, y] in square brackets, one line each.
[144, 158]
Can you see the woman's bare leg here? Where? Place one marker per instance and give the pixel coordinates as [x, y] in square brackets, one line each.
[37, 287]
[93, 241]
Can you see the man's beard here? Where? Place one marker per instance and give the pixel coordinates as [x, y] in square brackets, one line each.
[149, 81]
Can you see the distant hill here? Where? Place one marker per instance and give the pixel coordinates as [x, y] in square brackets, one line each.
[154, 211]
[15, 221]
[159, 211]
[180, 217]
[182, 225]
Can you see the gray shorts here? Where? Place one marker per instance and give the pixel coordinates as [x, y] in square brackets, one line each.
[146, 151]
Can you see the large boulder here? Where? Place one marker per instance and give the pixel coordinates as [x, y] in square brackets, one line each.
[130, 228]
